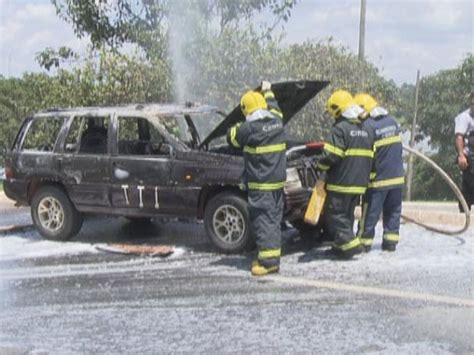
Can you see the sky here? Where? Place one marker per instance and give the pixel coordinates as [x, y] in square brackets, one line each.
[401, 35]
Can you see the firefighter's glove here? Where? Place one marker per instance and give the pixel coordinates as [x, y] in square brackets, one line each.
[266, 86]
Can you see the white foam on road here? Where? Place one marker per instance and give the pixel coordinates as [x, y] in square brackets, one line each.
[27, 245]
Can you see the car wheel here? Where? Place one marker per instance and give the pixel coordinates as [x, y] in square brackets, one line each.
[54, 215]
[226, 221]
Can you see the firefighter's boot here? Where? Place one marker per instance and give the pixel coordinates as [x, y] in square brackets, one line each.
[260, 270]
[337, 253]
[387, 246]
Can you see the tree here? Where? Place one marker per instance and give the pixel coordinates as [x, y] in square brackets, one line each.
[442, 96]
[146, 23]
[102, 78]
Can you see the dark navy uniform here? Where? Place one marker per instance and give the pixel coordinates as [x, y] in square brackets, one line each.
[386, 184]
[347, 158]
[263, 141]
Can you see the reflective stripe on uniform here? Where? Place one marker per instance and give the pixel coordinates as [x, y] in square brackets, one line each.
[323, 167]
[269, 254]
[359, 153]
[264, 149]
[387, 141]
[347, 246]
[372, 176]
[233, 137]
[276, 112]
[391, 237]
[366, 241]
[268, 95]
[358, 190]
[266, 186]
[387, 182]
[351, 152]
[334, 150]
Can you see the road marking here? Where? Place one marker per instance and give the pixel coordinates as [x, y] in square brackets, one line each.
[372, 290]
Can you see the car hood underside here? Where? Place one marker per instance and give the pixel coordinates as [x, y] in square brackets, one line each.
[292, 96]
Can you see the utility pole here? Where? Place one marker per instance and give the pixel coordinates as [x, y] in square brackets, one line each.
[412, 139]
[362, 30]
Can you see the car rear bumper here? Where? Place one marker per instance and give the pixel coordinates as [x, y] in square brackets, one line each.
[16, 190]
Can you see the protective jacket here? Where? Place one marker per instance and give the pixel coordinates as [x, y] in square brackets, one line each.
[387, 169]
[347, 157]
[263, 141]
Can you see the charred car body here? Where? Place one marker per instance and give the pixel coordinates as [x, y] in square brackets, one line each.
[144, 161]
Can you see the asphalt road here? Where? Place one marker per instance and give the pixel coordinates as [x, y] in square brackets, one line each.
[71, 298]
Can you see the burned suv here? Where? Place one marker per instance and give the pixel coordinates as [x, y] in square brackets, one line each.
[144, 161]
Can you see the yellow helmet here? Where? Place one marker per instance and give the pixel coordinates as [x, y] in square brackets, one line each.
[338, 102]
[365, 101]
[252, 101]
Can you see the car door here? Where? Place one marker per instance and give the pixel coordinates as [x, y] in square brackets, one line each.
[36, 149]
[85, 163]
[141, 167]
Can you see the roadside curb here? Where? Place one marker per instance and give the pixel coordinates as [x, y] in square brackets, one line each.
[432, 214]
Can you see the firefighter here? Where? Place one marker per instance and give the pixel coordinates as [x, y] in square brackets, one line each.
[263, 140]
[464, 141]
[347, 159]
[384, 193]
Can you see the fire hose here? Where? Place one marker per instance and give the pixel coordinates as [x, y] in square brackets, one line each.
[453, 187]
[436, 167]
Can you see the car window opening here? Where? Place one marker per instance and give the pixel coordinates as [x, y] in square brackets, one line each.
[137, 136]
[42, 134]
[88, 135]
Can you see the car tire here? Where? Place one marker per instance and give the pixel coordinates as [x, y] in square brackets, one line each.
[227, 223]
[54, 215]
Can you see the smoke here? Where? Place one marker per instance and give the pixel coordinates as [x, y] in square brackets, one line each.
[185, 18]
[189, 29]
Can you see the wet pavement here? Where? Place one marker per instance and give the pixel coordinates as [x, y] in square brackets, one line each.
[72, 298]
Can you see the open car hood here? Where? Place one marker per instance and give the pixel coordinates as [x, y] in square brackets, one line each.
[292, 96]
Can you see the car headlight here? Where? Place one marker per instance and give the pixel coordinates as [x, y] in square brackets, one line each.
[292, 179]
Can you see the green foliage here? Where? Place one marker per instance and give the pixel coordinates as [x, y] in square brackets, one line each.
[236, 61]
[49, 57]
[405, 110]
[146, 23]
[442, 97]
[325, 61]
[428, 185]
[103, 78]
